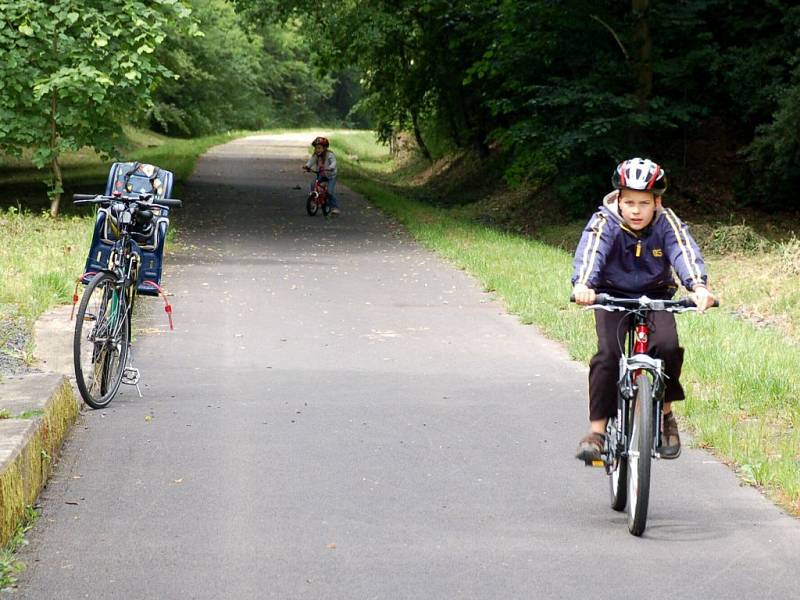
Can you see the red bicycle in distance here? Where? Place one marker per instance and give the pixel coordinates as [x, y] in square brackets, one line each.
[318, 196]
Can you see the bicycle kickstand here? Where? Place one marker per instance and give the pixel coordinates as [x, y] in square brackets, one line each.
[130, 376]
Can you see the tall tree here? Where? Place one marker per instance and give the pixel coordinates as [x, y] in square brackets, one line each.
[72, 72]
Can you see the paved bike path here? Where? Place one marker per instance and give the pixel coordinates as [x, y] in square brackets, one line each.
[342, 414]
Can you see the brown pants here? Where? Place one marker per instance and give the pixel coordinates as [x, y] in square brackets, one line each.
[604, 367]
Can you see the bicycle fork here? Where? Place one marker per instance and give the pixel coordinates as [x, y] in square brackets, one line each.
[630, 369]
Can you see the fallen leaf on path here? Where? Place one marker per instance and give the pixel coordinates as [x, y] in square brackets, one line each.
[331, 546]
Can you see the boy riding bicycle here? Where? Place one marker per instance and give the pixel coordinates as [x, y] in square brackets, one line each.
[323, 163]
[628, 249]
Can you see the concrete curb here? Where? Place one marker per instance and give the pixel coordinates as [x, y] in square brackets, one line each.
[42, 408]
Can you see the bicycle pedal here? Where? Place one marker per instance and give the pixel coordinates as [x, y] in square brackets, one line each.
[130, 376]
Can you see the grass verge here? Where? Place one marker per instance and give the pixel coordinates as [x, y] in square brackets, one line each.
[10, 567]
[740, 379]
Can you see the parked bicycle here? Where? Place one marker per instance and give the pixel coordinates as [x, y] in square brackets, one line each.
[102, 341]
[633, 435]
[318, 197]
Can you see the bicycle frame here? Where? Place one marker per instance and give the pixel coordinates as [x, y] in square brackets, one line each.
[320, 193]
[633, 363]
[124, 264]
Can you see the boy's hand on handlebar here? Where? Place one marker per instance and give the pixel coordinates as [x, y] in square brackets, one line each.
[583, 295]
[702, 298]
[306, 168]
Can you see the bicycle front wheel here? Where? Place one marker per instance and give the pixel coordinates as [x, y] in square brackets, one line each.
[640, 457]
[311, 205]
[101, 342]
[616, 468]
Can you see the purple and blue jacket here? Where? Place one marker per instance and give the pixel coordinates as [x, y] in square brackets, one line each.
[613, 259]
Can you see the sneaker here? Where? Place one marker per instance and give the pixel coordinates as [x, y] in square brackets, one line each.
[335, 211]
[591, 447]
[670, 439]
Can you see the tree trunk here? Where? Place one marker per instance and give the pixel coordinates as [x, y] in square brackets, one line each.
[481, 134]
[56, 179]
[56, 188]
[644, 43]
[418, 136]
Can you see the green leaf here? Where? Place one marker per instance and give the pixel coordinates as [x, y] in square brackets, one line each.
[26, 29]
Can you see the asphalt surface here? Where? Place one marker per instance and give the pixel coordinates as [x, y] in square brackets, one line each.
[341, 414]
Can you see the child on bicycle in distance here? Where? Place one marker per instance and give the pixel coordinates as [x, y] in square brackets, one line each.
[323, 163]
[628, 249]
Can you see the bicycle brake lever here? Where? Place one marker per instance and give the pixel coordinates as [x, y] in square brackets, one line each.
[604, 307]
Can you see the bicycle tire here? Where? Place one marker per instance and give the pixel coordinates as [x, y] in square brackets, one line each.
[326, 209]
[617, 474]
[100, 363]
[640, 457]
[311, 205]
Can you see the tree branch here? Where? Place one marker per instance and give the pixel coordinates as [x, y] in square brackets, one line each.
[613, 33]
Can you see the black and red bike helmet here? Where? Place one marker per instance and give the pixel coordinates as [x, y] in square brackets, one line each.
[640, 174]
[323, 141]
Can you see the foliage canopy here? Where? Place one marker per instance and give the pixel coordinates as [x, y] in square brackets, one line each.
[72, 72]
[567, 88]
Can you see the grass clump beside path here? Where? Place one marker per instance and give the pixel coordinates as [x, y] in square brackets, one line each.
[10, 567]
[741, 379]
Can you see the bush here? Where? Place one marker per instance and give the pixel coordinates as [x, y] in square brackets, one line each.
[724, 239]
[790, 256]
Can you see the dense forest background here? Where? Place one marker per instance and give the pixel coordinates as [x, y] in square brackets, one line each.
[554, 92]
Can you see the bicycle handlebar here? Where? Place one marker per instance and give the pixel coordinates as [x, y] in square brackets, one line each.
[607, 301]
[145, 199]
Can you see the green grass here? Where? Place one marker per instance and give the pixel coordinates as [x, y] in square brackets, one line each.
[741, 381]
[40, 259]
[10, 567]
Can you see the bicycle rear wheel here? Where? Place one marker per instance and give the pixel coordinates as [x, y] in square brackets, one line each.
[101, 342]
[640, 457]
